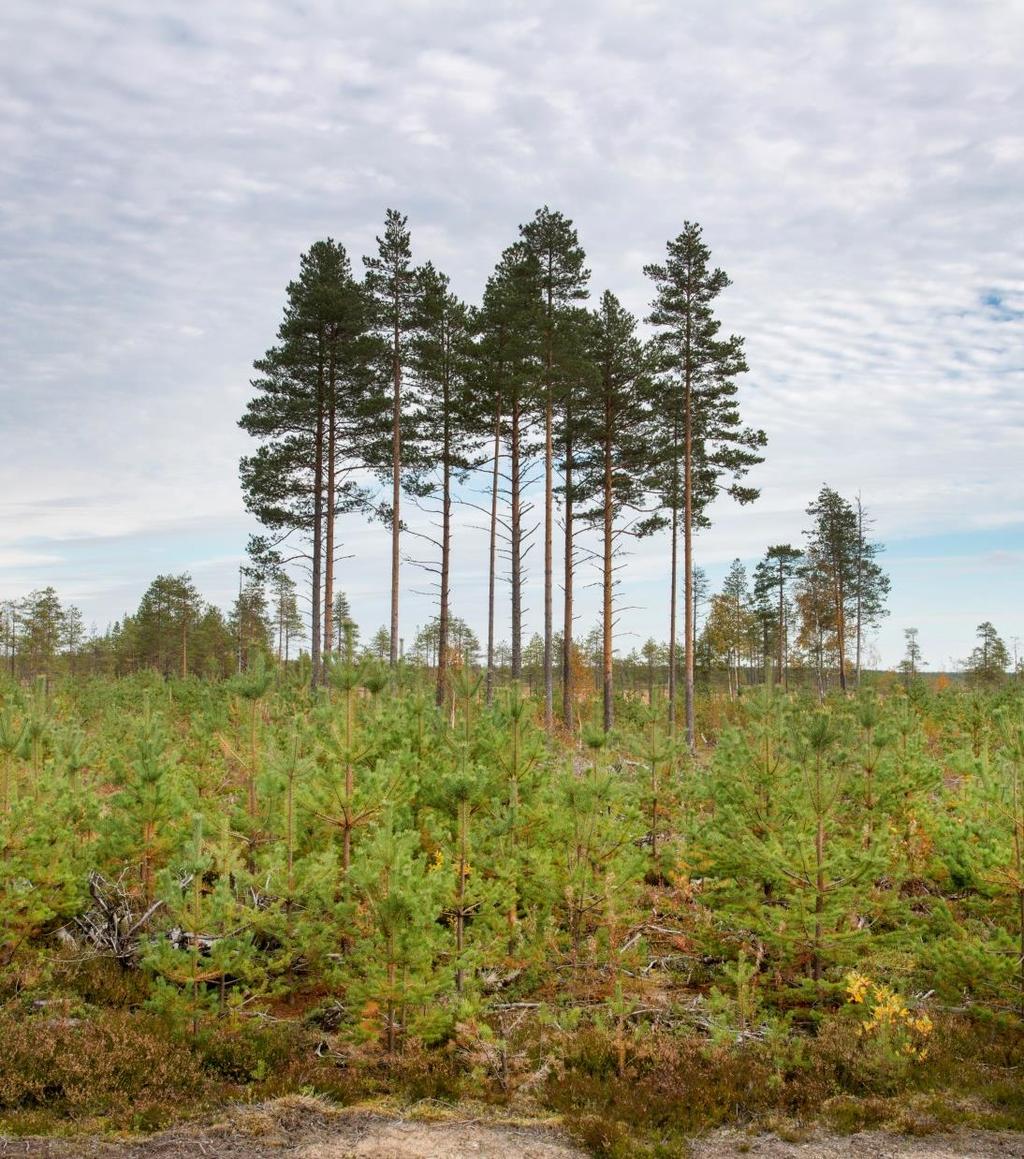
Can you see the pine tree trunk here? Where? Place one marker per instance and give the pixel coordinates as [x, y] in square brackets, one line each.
[549, 531]
[492, 565]
[567, 671]
[318, 521]
[841, 627]
[673, 584]
[780, 676]
[460, 912]
[329, 513]
[446, 542]
[606, 651]
[396, 488]
[517, 548]
[860, 584]
[549, 692]
[688, 557]
[819, 893]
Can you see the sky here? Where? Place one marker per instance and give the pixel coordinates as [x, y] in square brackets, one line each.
[856, 165]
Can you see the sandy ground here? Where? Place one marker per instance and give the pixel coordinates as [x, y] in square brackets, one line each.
[303, 1128]
[873, 1144]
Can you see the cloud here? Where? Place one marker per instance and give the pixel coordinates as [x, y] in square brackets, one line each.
[856, 167]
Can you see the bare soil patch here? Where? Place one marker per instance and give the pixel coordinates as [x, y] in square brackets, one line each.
[863, 1145]
[307, 1128]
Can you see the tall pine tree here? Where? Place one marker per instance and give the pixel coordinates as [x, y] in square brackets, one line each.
[505, 367]
[391, 280]
[705, 450]
[307, 413]
[612, 461]
[551, 240]
[446, 431]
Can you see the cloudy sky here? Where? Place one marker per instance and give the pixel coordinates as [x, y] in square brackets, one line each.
[857, 166]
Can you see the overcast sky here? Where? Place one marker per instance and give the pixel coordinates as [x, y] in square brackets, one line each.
[858, 168]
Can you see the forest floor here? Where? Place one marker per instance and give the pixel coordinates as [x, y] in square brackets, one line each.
[306, 1128]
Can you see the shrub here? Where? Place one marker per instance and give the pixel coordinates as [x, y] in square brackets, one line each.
[121, 1066]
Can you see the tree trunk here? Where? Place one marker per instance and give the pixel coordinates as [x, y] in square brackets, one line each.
[446, 542]
[819, 895]
[549, 481]
[329, 513]
[673, 583]
[688, 556]
[841, 626]
[780, 676]
[567, 670]
[517, 548]
[549, 692]
[492, 565]
[460, 910]
[860, 584]
[318, 520]
[396, 487]
[608, 691]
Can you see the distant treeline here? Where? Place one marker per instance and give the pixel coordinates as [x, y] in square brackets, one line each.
[175, 632]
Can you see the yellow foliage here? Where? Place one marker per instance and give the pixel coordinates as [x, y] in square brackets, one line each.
[889, 1021]
[857, 985]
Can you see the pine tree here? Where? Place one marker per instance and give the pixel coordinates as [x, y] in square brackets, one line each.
[395, 977]
[652, 656]
[772, 579]
[786, 818]
[1005, 792]
[169, 613]
[42, 877]
[736, 601]
[311, 404]
[704, 442]
[379, 646]
[617, 435]
[249, 623]
[576, 380]
[342, 308]
[871, 584]
[989, 660]
[727, 629]
[391, 280]
[446, 442]
[845, 572]
[251, 687]
[346, 628]
[551, 241]
[351, 787]
[507, 362]
[286, 619]
[912, 661]
[42, 627]
[151, 797]
[207, 962]
[463, 647]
